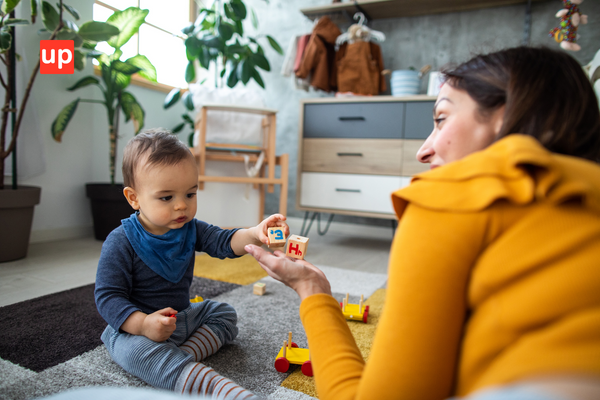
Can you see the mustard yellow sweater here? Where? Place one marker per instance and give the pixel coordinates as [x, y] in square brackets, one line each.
[494, 276]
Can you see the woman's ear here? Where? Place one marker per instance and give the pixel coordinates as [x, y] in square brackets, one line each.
[132, 197]
[498, 120]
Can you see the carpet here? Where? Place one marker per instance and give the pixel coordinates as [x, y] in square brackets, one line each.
[52, 343]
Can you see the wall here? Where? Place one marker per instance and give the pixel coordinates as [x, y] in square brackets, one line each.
[415, 41]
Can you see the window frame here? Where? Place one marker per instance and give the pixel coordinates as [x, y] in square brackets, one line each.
[135, 78]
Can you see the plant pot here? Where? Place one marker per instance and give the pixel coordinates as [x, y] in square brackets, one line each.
[405, 82]
[16, 216]
[109, 207]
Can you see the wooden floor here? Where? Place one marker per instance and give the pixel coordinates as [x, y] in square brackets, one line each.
[56, 266]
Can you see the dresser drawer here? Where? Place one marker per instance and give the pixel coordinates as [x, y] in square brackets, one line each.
[354, 120]
[410, 164]
[353, 156]
[419, 119]
[350, 192]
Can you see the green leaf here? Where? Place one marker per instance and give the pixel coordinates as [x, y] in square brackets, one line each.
[5, 40]
[121, 80]
[62, 120]
[93, 54]
[258, 78]
[193, 46]
[8, 6]
[50, 16]
[246, 71]
[16, 21]
[133, 111]
[79, 60]
[229, 12]
[71, 11]
[188, 100]
[66, 34]
[225, 30]
[190, 72]
[239, 9]
[232, 78]
[178, 128]
[260, 61]
[191, 139]
[77, 42]
[83, 82]
[204, 58]
[70, 25]
[254, 19]
[95, 31]
[128, 21]
[239, 28]
[125, 68]
[172, 97]
[189, 28]
[147, 70]
[214, 42]
[275, 45]
[89, 45]
[187, 119]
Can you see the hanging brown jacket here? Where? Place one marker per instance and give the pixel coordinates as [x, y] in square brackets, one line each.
[359, 67]
[318, 59]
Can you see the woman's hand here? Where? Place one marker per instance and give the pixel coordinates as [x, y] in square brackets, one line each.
[302, 276]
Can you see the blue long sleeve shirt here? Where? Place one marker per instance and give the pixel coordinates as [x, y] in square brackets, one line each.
[125, 284]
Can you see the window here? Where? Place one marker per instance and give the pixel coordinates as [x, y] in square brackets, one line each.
[159, 38]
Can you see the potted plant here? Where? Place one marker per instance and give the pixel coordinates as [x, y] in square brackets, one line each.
[217, 37]
[109, 205]
[17, 201]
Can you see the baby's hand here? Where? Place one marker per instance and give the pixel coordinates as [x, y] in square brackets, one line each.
[159, 326]
[276, 220]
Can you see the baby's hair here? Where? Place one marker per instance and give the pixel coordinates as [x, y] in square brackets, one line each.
[154, 146]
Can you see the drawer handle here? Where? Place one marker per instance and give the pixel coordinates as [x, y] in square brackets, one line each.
[347, 190]
[350, 154]
[352, 118]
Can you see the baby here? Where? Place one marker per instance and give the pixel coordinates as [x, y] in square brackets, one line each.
[145, 272]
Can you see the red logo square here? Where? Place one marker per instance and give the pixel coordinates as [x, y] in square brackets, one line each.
[57, 57]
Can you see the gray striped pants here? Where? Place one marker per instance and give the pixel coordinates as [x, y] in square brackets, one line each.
[160, 364]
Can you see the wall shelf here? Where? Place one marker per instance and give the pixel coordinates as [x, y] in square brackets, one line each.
[378, 9]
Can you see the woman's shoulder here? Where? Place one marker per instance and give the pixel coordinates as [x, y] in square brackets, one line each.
[517, 169]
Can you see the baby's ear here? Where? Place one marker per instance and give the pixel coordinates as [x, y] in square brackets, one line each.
[131, 196]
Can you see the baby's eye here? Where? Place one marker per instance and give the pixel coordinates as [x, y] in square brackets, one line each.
[191, 195]
[166, 198]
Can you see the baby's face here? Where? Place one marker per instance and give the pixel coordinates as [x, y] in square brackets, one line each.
[167, 195]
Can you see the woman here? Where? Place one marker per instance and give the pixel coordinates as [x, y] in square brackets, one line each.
[493, 273]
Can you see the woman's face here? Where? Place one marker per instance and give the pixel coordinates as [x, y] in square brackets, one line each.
[459, 129]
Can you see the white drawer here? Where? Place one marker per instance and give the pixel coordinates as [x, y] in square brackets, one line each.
[366, 193]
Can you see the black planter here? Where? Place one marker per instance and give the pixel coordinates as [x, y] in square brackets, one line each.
[109, 207]
[16, 216]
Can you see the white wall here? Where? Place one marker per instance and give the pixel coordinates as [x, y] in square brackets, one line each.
[82, 157]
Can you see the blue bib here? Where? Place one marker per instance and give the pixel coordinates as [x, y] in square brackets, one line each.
[168, 255]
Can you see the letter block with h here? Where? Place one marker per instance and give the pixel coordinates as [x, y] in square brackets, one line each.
[296, 247]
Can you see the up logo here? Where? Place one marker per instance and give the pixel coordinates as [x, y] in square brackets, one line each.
[57, 57]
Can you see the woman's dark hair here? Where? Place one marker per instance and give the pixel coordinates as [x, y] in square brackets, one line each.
[545, 92]
[155, 147]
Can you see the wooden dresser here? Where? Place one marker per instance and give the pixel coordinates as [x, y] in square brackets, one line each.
[354, 152]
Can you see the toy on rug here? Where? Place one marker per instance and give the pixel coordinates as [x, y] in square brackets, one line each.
[259, 288]
[290, 353]
[355, 312]
[570, 19]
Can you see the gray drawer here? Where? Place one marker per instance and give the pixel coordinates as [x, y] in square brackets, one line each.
[419, 119]
[354, 120]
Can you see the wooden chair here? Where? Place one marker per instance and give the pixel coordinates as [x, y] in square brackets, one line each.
[210, 151]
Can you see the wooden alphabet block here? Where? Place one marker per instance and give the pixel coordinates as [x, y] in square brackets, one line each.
[259, 288]
[296, 247]
[276, 237]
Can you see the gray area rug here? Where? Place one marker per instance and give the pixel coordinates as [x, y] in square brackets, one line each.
[263, 321]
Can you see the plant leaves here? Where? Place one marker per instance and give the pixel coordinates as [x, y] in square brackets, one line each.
[83, 82]
[172, 97]
[275, 45]
[71, 11]
[124, 67]
[239, 28]
[62, 120]
[190, 72]
[178, 128]
[96, 31]
[188, 100]
[5, 40]
[193, 46]
[254, 19]
[232, 78]
[50, 16]
[121, 80]
[204, 58]
[239, 9]
[66, 34]
[8, 6]
[128, 21]
[187, 119]
[188, 29]
[260, 61]
[225, 30]
[147, 70]
[16, 21]
[246, 69]
[258, 78]
[79, 60]
[133, 110]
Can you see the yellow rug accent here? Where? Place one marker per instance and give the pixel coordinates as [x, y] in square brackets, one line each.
[363, 335]
[242, 271]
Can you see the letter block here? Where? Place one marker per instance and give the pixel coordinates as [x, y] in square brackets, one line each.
[276, 237]
[259, 288]
[296, 247]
